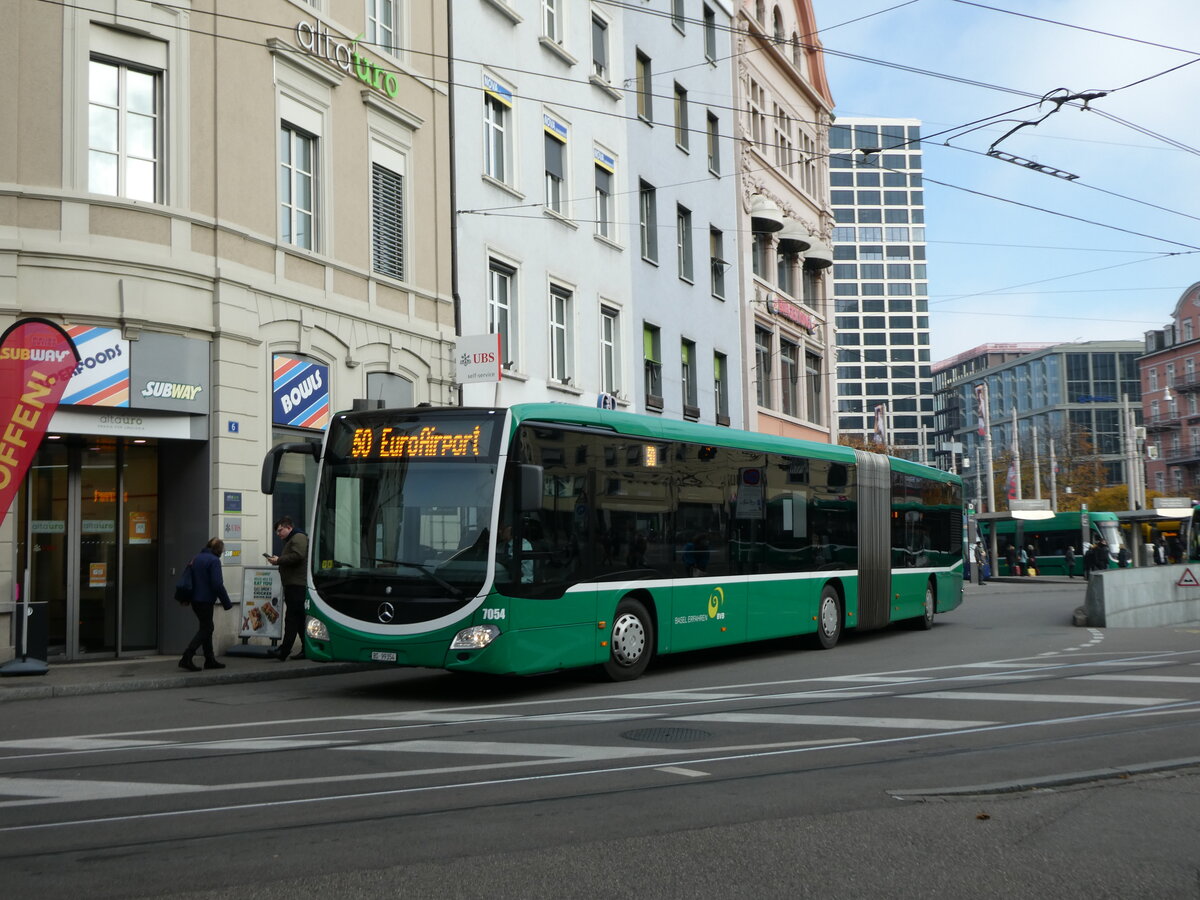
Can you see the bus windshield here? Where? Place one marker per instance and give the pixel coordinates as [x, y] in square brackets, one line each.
[402, 515]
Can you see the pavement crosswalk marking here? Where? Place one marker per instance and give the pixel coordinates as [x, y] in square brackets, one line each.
[77, 743]
[1164, 679]
[1041, 698]
[498, 748]
[844, 721]
[65, 790]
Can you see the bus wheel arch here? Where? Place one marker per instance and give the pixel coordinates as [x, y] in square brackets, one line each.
[631, 638]
[831, 615]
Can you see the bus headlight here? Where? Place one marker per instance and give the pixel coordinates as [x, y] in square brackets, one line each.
[316, 629]
[475, 638]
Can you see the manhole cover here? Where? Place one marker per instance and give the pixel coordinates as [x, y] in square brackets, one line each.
[666, 735]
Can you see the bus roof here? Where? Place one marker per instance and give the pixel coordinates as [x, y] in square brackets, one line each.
[654, 427]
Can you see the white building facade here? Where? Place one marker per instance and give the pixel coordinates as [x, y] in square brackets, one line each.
[539, 156]
[679, 193]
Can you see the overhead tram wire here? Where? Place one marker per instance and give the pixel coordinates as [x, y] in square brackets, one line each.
[256, 43]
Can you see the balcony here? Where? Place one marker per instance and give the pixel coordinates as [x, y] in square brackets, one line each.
[1162, 423]
[1186, 383]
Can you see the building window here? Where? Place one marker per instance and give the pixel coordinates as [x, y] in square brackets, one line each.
[610, 350]
[683, 241]
[789, 364]
[759, 252]
[762, 366]
[604, 203]
[687, 378]
[812, 387]
[387, 221]
[555, 178]
[648, 221]
[382, 25]
[714, 144]
[297, 186]
[716, 252]
[710, 33]
[652, 361]
[1153, 378]
[124, 131]
[721, 387]
[599, 48]
[758, 118]
[501, 282]
[395, 391]
[560, 334]
[785, 272]
[496, 135]
[777, 27]
[552, 20]
[1187, 329]
[681, 117]
[643, 77]
[677, 17]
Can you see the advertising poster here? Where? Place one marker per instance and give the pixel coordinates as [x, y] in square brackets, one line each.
[101, 377]
[299, 392]
[262, 603]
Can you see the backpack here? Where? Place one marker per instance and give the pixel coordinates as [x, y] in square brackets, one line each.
[185, 587]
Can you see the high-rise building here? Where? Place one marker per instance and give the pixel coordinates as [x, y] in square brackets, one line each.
[880, 287]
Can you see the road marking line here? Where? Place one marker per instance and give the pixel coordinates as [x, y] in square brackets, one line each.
[498, 748]
[69, 790]
[77, 743]
[824, 695]
[845, 721]
[689, 773]
[1171, 679]
[1043, 698]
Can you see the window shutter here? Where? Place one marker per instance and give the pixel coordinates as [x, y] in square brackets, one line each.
[387, 231]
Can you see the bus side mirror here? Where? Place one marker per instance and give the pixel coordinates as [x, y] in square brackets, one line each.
[270, 466]
[529, 487]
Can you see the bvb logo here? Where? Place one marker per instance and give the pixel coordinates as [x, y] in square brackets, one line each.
[715, 599]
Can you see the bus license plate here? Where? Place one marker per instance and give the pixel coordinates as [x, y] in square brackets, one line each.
[382, 656]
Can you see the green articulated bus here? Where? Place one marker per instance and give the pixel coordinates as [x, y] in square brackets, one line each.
[1051, 537]
[548, 536]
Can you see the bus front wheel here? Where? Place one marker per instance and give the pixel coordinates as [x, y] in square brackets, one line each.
[829, 618]
[631, 643]
[925, 622]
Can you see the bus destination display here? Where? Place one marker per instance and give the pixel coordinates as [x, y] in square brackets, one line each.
[388, 442]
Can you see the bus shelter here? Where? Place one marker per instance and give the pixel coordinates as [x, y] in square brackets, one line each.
[1019, 511]
[1165, 509]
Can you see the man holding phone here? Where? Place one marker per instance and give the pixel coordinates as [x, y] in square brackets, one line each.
[293, 572]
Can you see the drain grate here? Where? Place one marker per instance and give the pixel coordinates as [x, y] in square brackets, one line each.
[666, 735]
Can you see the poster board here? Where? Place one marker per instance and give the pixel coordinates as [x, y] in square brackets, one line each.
[262, 603]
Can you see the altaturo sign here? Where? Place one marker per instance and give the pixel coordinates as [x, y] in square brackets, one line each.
[317, 40]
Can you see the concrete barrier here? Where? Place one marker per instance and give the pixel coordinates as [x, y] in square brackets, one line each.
[1146, 597]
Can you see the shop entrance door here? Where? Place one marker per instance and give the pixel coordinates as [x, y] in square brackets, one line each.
[89, 537]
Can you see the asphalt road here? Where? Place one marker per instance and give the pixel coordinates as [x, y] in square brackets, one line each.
[1004, 753]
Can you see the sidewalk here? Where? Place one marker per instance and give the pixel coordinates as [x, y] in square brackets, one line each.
[151, 673]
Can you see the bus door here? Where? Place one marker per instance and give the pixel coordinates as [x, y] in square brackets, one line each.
[716, 543]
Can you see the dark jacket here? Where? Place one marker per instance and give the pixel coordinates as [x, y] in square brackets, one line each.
[293, 560]
[208, 581]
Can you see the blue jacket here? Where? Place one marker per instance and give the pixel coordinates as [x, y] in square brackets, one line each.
[206, 576]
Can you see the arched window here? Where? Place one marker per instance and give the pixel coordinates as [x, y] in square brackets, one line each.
[797, 52]
[777, 21]
[760, 12]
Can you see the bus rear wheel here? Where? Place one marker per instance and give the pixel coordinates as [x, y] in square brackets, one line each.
[925, 622]
[829, 618]
[631, 642]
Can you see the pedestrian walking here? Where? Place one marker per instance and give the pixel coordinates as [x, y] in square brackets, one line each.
[979, 559]
[208, 588]
[1069, 556]
[293, 572]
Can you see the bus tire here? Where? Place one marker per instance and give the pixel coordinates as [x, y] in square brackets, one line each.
[925, 620]
[829, 618]
[631, 641]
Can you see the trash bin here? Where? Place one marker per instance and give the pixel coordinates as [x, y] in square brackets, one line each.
[37, 635]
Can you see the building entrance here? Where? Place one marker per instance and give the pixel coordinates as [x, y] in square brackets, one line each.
[89, 544]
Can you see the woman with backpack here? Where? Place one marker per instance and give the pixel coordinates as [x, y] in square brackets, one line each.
[208, 586]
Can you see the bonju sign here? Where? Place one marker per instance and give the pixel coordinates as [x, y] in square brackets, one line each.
[37, 359]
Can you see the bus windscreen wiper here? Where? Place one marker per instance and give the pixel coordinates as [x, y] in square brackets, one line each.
[426, 570]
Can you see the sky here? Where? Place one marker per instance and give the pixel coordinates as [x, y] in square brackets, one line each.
[999, 271]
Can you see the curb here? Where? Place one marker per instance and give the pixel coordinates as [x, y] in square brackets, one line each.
[1048, 782]
[45, 691]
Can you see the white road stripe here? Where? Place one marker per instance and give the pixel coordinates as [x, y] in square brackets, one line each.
[681, 695]
[824, 695]
[1043, 698]
[1168, 679]
[872, 679]
[433, 715]
[264, 744]
[65, 790]
[77, 743]
[498, 748]
[689, 773]
[844, 721]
